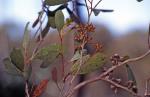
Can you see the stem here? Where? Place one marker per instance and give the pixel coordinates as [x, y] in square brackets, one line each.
[101, 76]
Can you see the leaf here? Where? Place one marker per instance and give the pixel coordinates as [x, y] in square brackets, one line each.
[27, 71]
[51, 21]
[11, 68]
[17, 58]
[90, 64]
[97, 11]
[54, 74]
[131, 76]
[48, 54]
[26, 37]
[76, 56]
[35, 22]
[59, 20]
[44, 32]
[40, 88]
[68, 21]
[55, 2]
[139, 0]
[40, 14]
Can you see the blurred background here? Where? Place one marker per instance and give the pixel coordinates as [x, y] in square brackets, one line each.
[123, 31]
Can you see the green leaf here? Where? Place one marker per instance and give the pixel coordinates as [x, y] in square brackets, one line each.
[131, 76]
[59, 20]
[11, 68]
[51, 21]
[27, 71]
[26, 37]
[55, 2]
[17, 58]
[90, 64]
[76, 56]
[48, 54]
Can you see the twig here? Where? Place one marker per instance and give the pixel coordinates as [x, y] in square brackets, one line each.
[105, 73]
[120, 86]
[87, 11]
[146, 88]
[27, 90]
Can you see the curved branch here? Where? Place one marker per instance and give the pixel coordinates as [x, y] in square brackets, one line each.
[101, 76]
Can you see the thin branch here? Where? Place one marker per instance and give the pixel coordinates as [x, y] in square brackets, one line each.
[27, 90]
[146, 88]
[120, 86]
[106, 73]
[87, 11]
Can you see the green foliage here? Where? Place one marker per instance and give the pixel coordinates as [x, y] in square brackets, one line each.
[89, 64]
[11, 68]
[59, 20]
[48, 54]
[55, 2]
[17, 58]
[26, 37]
[51, 21]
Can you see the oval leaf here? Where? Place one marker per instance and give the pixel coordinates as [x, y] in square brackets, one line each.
[55, 2]
[11, 68]
[90, 64]
[51, 21]
[48, 54]
[17, 58]
[59, 20]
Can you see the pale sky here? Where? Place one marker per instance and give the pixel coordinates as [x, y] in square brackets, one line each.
[128, 14]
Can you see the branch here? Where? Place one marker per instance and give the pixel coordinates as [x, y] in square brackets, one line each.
[101, 76]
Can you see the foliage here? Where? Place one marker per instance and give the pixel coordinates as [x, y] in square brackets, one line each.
[19, 62]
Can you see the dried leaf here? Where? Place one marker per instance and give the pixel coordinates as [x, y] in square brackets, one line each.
[90, 64]
[55, 2]
[17, 58]
[11, 68]
[26, 37]
[44, 32]
[97, 11]
[35, 22]
[54, 74]
[59, 20]
[38, 19]
[40, 88]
